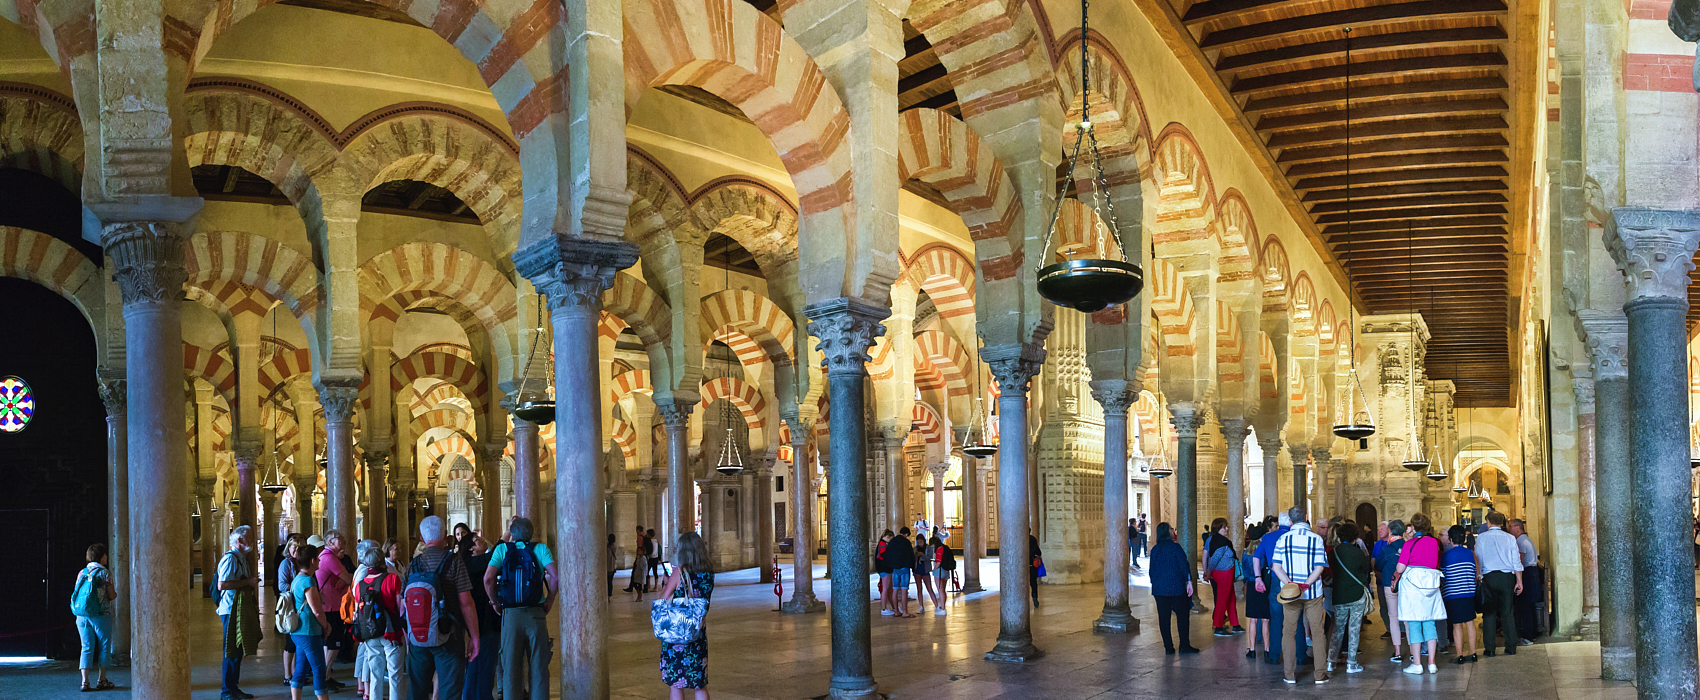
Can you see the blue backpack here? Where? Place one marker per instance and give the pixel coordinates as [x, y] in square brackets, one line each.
[521, 584]
[86, 597]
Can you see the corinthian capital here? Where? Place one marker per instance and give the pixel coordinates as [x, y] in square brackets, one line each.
[1014, 366]
[247, 454]
[573, 271]
[846, 328]
[1234, 432]
[675, 414]
[147, 260]
[1186, 417]
[1608, 342]
[1654, 248]
[338, 399]
[112, 393]
[1115, 396]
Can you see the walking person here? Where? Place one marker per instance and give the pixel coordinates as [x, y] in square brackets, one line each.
[685, 666]
[1459, 568]
[923, 571]
[652, 580]
[1171, 587]
[1221, 563]
[1256, 604]
[1417, 579]
[615, 555]
[380, 589]
[439, 582]
[1502, 576]
[640, 565]
[522, 581]
[1529, 612]
[91, 603]
[900, 556]
[481, 672]
[234, 578]
[311, 663]
[1299, 558]
[1352, 596]
[286, 577]
[1386, 560]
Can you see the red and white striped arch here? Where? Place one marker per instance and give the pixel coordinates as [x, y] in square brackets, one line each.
[940, 150]
[53, 264]
[947, 276]
[746, 398]
[450, 368]
[923, 418]
[626, 438]
[40, 132]
[627, 382]
[455, 419]
[215, 368]
[753, 316]
[445, 270]
[284, 366]
[948, 357]
[1229, 352]
[1172, 305]
[631, 301]
[216, 259]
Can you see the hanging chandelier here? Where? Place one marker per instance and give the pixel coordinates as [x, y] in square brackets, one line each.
[1436, 470]
[977, 446]
[731, 462]
[1160, 466]
[542, 410]
[1414, 448]
[1476, 492]
[1459, 488]
[1359, 425]
[1088, 285]
[1224, 475]
[272, 483]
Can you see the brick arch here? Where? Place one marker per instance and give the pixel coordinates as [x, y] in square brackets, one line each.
[941, 151]
[1173, 308]
[733, 51]
[272, 137]
[53, 264]
[746, 398]
[759, 218]
[438, 394]
[1122, 131]
[456, 370]
[1230, 351]
[949, 357]
[451, 445]
[1276, 276]
[1267, 389]
[451, 418]
[212, 366]
[40, 132]
[1186, 195]
[947, 276]
[1237, 232]
[632, 302]
[626, 438]
[1078, 229]
[441, 148]
[445, 270]
[625, 383]
[1304, 306]
[278, 270]
[285, 366]
[924, 419]
[754, 316]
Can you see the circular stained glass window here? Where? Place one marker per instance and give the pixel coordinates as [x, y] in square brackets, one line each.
[17, 404]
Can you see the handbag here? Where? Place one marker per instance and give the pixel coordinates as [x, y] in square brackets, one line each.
[679, 620]
[1039, 563]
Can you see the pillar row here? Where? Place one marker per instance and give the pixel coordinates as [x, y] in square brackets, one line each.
[339, 399]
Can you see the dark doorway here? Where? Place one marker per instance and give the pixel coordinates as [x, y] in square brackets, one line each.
[24, 631]
[1366, 516]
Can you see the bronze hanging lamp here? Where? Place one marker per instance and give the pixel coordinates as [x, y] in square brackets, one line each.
[1414, 447]
[272, 482]
[731, 462]
[977, 446]
[1359, 425]
[1088, 285]
[540, 410]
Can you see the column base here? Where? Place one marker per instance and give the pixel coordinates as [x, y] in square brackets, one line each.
[971, 587]
[1016, 651]
[802, 604]
[118, 661]
[1617, 663]
[870, 691]
[1116, 621]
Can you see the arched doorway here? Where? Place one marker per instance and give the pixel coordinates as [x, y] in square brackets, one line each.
[1366, 515]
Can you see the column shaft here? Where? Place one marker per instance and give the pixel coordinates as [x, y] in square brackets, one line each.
[1614, 487]
[339, 401]
[112, 391]
[1115, 400]
[802, 525]
[1014, 368]
[1186, 418]
[763, 498]
[680, 481]
[1271, 474]
[1234, 434]
[526, 472]
[973, 538]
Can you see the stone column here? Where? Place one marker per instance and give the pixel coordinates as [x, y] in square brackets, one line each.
[896, 477]
[268, 552]
[763, 499]
[1014, 366]
[1187, 418]
[937, 471]
[1655, 251]
[112, 390]
[1271, 446]
[802, 525]
[676, 416]
[846, 328]
[526, 471]
[1115, 396]
[1323, 460]
[377, 494]
[1234, 431]
[574, 272]
[490, 477]
[339, 401]
[1300, 455]
[144, 243]
[247, 456]
[973, 537]
[1582, 383]
[1614, 492]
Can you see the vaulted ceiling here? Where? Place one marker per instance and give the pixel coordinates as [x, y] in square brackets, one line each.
[1414, 200]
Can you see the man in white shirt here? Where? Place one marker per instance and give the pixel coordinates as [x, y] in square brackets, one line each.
[1502, 575]
[1528, 600]
[1299, 558]
[921, 526]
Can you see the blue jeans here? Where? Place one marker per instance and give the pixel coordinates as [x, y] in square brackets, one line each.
[900, 579]
[1277, 617]
[96, 633]
[481, 671]
[310, 662]
[232, 667]
[447, 662]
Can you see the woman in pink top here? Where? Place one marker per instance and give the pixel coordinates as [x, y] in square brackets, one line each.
[334, 581]
[1420, 598]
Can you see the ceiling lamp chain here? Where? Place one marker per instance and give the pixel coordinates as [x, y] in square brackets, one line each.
[1359, 425]
[731, 462]
[1414, 447]
[1088, 285]
[537, 410]
[977, 446]
[272, 482]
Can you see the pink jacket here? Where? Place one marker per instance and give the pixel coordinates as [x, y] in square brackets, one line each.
[330, 579]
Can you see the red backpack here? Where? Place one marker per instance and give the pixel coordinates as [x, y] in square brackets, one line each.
[429, 620]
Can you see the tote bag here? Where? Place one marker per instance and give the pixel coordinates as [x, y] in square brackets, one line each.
[679, 620]
[1419, 595]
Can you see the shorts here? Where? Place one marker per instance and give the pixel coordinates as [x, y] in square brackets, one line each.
[900, 578]
[1419, 631]
[1460, 610]
[941, 573]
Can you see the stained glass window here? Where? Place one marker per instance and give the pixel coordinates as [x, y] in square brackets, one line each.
[17, 404]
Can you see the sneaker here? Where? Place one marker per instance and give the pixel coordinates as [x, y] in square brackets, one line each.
[1223, 632]
[1433, 668]
[1396, 658]
[1414, 669]
[1291, 681]
[938, 611]
[1322, 680]
[1354, 668]
[887, 613]
[1525, 642]
[1239, 630]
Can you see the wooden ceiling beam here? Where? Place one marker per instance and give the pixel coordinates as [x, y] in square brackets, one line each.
[922, 78]
[1375, 15]
[1367, 228]
[1413, 66]
[1336, 48]
[1391, 165]
[1364, 94]
[1412, 213]
[1225, 9]
[1391, 110]
[1395, 145]
[1417, 231]
[1364, 206]
[1357, 179]
[1400, 127]
[1407, 189]
[1352, 254]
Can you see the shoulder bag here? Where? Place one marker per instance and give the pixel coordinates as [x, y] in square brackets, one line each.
[679, 620]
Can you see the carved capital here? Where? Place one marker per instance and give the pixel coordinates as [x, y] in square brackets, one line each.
[1014, 366]
[147, 260]
[846, 328]
[1654, 249]
[1270, 444]
[1234, 432]
[1299, 453]
[938, 470]
[1115, 397]
[1584, 388]
[376, 458]
[493, 452]
[1187, 418]
[573, 271]
[112, 393]
[338, 400]
[1321, 455]
[247, 454]
[1608, 343]
[675, 414]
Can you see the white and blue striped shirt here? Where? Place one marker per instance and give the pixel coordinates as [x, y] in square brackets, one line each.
[1299, 552]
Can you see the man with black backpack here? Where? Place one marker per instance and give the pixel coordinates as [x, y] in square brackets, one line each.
[522, 583]
[438, 592]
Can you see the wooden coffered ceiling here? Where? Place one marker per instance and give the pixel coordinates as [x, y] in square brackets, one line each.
[1427, 226]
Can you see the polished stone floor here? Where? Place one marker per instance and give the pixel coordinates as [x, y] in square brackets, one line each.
[757, 653]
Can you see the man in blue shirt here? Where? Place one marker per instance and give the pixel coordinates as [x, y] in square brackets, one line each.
[1386, 560]
[1267, 584]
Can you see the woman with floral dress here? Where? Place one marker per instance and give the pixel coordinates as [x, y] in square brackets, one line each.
[686, 665]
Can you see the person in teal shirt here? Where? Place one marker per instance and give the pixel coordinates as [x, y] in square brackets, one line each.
[525, 634]
[310, 637]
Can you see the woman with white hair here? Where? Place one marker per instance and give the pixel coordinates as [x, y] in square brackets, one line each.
[378, 586]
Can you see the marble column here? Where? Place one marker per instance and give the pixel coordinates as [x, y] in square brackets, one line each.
[802, 525]
[896, 478]
[247, 456]
[574, 272]
[1582, 384]
[1271, 446]
[377, 494]
[339, 401]
[112, 390]
[304, 506]
[144, 242]
[763, 499]
[268, 551]
[526, 471]
[490, 478]
[1014, 366]
[1234, 432]
[846, 328]
[1115, 396]
[1655, 251]
[1187, 418]
[937, 471]
[1300, 455]
[676, 416]
[973, 537]
[1324, 460]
